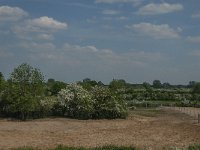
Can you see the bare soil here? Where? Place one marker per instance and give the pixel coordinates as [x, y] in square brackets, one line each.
[143, 129]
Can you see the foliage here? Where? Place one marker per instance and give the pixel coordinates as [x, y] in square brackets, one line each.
[196, 88]
[157, 84]
[87, 83]
[108, 105]
[2, 82]
[194, 147]
[75, 102]
[46, 106]
[23, 91]
[53, 87]
[117, 84]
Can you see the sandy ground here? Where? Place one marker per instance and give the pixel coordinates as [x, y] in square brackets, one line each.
[142, 129]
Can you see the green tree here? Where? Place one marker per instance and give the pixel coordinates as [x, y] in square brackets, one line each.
[88, 83]
[2, 82]
[26, 87]
[157, 84]
[53, 87]
[196, 88]
[117, 84]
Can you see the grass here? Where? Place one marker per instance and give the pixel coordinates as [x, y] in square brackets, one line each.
[61, 147]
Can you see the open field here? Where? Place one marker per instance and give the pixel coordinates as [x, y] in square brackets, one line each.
[144, 128]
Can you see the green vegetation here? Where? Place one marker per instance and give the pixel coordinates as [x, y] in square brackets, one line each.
[76, 102]
[26, 95]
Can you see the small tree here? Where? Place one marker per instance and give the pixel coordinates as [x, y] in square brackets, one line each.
[24, 91]
[157, 84]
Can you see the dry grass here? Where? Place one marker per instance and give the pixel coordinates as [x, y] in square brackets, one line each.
[143, 128]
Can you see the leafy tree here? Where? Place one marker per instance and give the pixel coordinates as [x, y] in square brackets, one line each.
[157, 84]
[196, 88]
[2, 82]
[192, 84]
[88, 83]
[53, 87]
[117, 84]
[24, 91]
[166, 85]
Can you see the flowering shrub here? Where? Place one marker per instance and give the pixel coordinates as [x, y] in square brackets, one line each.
[108, 105]
[76, 102]
[46, 106]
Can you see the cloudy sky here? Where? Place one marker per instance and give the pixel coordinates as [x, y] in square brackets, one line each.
[135, 40]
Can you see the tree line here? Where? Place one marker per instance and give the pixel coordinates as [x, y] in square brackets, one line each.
[26, 94]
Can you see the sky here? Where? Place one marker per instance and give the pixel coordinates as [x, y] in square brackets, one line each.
[134, 40]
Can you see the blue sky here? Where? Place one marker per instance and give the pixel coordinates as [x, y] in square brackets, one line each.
[135, 40]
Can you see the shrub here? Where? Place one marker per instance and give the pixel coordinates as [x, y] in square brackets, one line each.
[108, 105]
[75, 102]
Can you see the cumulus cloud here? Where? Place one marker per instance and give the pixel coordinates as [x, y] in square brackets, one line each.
[194, 39]
[47, 22]
[8, 13]
[41, 28]
[156, 9]
[163, 31]
[110, 12]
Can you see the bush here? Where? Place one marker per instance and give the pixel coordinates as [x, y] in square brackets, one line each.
[76, 102]
[108, 105]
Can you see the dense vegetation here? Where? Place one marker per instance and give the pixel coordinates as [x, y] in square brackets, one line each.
[25, 94]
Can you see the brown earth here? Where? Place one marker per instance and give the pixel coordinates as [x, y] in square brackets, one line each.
[143, 128]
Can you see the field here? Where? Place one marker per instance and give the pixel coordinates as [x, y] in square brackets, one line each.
[144, 128]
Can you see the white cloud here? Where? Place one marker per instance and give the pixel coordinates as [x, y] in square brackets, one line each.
[156, 9]
[47, 22]
[8, 13]
[194, 39]
[196, 15]
[163, 31]
[42, 28]
[110, 12]
[135, 2]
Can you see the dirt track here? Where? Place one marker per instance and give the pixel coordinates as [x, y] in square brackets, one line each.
[141, 129]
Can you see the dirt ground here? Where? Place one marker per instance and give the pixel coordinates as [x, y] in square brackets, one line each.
[143, 128]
